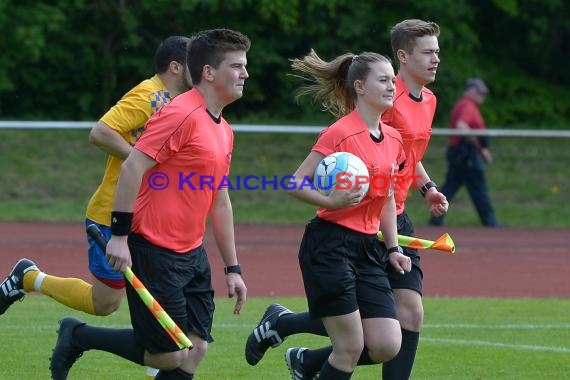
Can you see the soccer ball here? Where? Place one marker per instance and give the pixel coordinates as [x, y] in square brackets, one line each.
[342, 167]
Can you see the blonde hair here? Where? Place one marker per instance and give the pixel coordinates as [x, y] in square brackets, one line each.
[332, 83]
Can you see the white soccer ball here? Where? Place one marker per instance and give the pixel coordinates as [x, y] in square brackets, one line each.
[343, 170]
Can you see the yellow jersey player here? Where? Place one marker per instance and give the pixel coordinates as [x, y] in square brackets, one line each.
[116, 133]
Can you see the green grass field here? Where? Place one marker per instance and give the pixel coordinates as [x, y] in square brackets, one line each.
[463, 338]
[50, 175]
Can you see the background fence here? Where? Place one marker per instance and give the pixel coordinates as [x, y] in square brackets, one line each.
[270, 128]
[49, 171]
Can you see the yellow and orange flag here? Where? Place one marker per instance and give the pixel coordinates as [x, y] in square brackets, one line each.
[444, 243]
[161, 316]
[167, 323]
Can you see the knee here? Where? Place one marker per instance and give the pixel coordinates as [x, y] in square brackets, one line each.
[415, 320]
[199, 350]
[386, 350]
[106, 300]
[106, 307]
[166, 361]
[348, 354]
[183, 359]
[354, 353]
[174, 360]
[411, 317]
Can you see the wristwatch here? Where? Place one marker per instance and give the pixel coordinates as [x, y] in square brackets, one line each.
[232, 269]
[426, 187]
[395, 249]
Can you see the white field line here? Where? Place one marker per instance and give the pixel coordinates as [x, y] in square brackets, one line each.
[559, 326]
[509, 326]
[466, 342]
[54, 326]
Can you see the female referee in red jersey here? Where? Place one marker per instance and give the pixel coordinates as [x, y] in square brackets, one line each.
[415, 46]
[342, 262]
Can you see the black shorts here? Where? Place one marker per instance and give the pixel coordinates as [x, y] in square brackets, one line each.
[413, 279]
[344, 271]
[180, 283]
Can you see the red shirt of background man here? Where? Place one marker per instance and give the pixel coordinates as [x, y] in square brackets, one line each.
[182, 138]
[466, 110]
[350, 134]
[413, 119]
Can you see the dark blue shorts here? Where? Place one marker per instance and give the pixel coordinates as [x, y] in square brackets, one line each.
[182, 285]
[98, 265]
[344, 271]
[410, 280]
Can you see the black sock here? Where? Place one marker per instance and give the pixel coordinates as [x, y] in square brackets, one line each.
[296, 323]
[400, 367]
[313, 360]
[176, 374]
[120, 342]
[329, 372]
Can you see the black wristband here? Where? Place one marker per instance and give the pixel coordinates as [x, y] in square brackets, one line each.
[232, 269]
[395, 249]
[426, 187]
[121, 223]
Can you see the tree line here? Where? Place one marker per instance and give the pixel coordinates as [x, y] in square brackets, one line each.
[72, 59]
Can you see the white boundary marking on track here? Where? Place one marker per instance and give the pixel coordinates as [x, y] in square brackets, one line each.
[496, 344]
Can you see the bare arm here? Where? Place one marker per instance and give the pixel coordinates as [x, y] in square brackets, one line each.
[109, 140]
[388, 224]
[389, 230]
[132, 171]
[437, 202]
[223, 229]
[130, 179]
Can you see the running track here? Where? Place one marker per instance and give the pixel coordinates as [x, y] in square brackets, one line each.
[505, 262]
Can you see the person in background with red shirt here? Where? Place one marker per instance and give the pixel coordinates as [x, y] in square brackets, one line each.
[115, 133]
[468, 155]
[159, 231]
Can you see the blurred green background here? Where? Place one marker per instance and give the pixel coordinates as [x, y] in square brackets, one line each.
[73, 59]
[49, 175]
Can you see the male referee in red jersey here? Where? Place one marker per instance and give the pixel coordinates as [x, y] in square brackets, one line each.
[158, 224]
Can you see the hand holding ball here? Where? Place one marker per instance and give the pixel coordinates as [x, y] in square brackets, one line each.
[342, 170]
